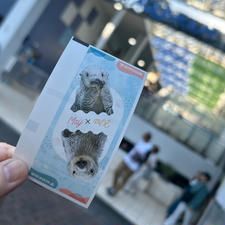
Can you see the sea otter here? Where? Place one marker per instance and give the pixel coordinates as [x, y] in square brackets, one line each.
[93, 93]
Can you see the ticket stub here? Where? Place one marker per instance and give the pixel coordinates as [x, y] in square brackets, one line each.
[79, 120]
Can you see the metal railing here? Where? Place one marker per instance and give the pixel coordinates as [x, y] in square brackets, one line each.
[197, 138]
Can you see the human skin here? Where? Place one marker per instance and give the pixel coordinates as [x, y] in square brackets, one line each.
[13, 172]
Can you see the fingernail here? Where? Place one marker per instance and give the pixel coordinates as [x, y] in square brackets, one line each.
[13, 170]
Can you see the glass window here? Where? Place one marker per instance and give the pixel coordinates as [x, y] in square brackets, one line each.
[215, 151]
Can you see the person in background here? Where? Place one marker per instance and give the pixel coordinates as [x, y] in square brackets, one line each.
[130, 164]
[191, 200]
[145, 170]
[174, 205]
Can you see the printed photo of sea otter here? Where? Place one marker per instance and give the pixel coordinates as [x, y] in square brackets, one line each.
[82, 151]
[93, 93]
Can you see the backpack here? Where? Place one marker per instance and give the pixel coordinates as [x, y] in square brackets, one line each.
[141, 159]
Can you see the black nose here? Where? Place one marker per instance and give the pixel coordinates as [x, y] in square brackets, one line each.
[81, 163]
[100, 83]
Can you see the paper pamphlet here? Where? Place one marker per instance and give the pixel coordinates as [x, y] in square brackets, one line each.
[79, 120]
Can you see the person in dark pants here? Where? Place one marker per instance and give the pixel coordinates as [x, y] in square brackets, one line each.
[174, 205]
[130, 164]
[191, 200]
[145, 171]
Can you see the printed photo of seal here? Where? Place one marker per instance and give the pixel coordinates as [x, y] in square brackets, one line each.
[82, 151]
[93, 93]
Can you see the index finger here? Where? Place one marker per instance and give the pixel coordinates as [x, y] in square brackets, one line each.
[6, 151]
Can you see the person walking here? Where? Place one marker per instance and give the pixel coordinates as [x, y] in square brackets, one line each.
[144, 171]
[130, 164]
[191, 200]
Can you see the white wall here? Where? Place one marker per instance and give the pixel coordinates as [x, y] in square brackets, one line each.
[17, 25]
[172, 152]
[220, 195]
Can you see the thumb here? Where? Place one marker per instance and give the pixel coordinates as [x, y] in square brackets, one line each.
[12, 173]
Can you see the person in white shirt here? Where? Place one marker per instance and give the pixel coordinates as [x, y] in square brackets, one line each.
[130, 164]
[145, 170]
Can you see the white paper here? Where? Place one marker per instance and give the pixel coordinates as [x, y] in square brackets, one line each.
[79, 120]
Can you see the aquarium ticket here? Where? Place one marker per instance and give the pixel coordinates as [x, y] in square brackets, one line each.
[79, 120]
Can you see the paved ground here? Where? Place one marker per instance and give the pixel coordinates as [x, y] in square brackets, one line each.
[142, 208]
[31, 204]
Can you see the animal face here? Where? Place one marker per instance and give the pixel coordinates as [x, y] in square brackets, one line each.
[94, 76]
[82, 167]
[82, 151]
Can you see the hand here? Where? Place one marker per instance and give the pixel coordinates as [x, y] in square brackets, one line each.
[13, 171]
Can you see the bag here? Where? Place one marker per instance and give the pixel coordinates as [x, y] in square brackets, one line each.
[137, 158]
[141, 158]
